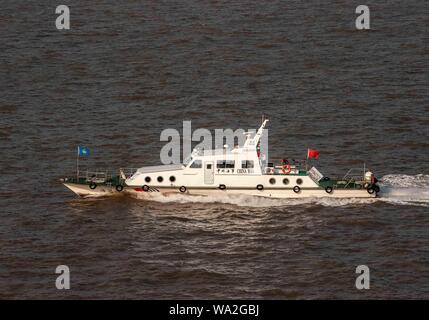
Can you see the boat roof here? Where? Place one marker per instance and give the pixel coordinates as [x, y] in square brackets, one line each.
[166, 167]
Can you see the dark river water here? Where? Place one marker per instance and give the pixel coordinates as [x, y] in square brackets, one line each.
[126, 70]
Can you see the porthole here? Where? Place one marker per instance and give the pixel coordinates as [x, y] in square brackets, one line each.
[172, 178]
[285, 181]
[272, 181]
[147, 179]
[298, 181]
[160, 179]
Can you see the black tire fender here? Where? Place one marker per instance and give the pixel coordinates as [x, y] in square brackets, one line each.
[92, 185]
[182, 189]
[222, 187]
[329, 189]
[260, 187]
[119, 187]
[145, 188]
[370, 190]
[296, 189]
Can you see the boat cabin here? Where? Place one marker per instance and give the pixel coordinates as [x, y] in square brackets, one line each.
[239, 160]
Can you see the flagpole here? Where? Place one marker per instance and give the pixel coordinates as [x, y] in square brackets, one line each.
[306, 162]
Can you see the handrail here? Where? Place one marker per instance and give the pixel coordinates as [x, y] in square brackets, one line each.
[353, 176]
[94, 175]
[351, 170]
[292, 162]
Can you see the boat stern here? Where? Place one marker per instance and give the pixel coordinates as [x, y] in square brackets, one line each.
[94, 184]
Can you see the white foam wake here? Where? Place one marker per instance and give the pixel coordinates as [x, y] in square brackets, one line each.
[395, 189]
[253, 201]
[405, 189]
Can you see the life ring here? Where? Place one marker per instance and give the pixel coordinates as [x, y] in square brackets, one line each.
[182, 189]
[329, 189]
[296, 189]
[145, 188]
[119, 187]
[370, 190]
[286, 168]
[92, 185]
[222, 187]
[260, 187]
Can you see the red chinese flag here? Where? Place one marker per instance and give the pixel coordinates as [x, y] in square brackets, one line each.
[312, 154]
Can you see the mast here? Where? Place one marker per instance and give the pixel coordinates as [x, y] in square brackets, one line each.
[255, 140]
[258, 134]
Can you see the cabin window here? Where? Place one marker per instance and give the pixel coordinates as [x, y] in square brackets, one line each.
[197, 164]
[299, 181]
[247, 164]
[285, 181]
[228, 164]
[172, 178]
[147, 179]
[160, 179]
[272, 181]
[220, 164]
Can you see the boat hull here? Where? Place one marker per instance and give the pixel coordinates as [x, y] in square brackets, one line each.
[84, 190]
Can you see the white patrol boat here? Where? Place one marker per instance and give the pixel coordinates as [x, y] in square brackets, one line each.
[238, 170]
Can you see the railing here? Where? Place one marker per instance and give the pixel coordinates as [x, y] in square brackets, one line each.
[354, 172]
[96, 176]
[104, 176]
[296, 162]
[354, 175]
[274, 166]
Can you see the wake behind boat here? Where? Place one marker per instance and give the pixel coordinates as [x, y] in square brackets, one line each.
[233, 171]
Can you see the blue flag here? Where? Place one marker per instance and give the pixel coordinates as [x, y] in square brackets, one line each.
[83, 151]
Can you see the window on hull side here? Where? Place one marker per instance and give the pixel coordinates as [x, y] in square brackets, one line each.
[197, 164]
[247, 164]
